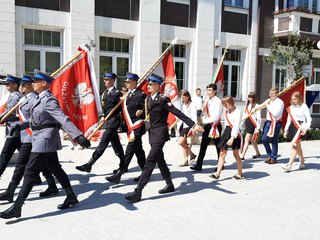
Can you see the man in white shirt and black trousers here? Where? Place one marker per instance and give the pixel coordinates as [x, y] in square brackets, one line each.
[272, 126]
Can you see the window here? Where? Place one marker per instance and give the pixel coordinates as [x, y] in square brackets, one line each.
[114, 57]
[290, 3]
[187, 10]
[279, 79]
[180, 61]
[56, 5]
[232, 73]
[42, 38]
[122, 9]
[42, 50]
[234, 3]
[314, 5]
[315, 108]
[303, 3]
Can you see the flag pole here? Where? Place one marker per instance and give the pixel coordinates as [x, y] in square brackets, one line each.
[220, 64]
[77, 57]
[141, 80]
[259, 108]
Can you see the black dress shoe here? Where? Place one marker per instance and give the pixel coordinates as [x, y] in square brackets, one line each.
[13, 211]
[167, 189]
[134, 196]
[49, 191]
[84, 168]
[69, 201]
[5, 196]
[196, 168]
[115, 178]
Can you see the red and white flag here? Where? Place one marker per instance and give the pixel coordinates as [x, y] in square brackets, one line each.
[77, 93]
[286, 97]
[219, 80]
[3, 102]
[169, 88]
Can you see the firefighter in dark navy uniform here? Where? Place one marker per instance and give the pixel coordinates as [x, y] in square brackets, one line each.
[110, 98]
[46, 119]
[13, 142]
[133, 111]
[158, 107]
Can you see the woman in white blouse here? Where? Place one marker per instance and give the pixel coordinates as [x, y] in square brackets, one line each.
[252, 126]
[189, 108]
[231, 137]
[298, 123]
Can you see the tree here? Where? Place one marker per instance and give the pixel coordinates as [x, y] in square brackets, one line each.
[291, 58]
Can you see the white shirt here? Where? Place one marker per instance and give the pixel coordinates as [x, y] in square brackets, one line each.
[215, 111]
[190, 111]
[275, 107]
[198, 100]
[299, 113]
[256, 116]
[235, 120]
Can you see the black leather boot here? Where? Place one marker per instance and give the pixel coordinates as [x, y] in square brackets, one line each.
[115, 178]
[168, 188]
[134, 196]
[70, 200]
[8, 194]
[14, 210]
[51, 190]
[86, 167]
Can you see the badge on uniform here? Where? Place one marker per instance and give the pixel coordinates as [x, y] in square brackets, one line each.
[169, 104]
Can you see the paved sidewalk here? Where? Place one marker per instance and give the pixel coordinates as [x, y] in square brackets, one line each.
[268, 204]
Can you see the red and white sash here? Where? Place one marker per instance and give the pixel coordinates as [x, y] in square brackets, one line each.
[131, 126]
[298, 134]
[213, 133]
[255, 124]
[239, 133]
[273, 125]
[22, 119]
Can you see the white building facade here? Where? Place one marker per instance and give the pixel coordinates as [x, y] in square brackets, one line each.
[131, 34]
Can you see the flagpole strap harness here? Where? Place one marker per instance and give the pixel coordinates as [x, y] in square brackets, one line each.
[139, 123]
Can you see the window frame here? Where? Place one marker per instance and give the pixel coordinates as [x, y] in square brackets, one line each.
[41, 48]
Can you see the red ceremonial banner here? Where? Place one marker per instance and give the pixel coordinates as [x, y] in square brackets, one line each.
[75, 91]
[286, 96]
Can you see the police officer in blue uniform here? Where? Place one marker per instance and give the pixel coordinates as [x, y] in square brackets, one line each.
[12, 143]
[46, 118]
[158, 107]
[26, 138]
[134, 112]
[110, 98]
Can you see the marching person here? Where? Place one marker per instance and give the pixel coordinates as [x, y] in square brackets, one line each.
[12, 143]
[190, 110]
[26, 138]
[272, 126]
[231, 137]
[110, 98]
[158, 107]
[133, 112]
[212, 112]
[298, 123]
[198, 99]
[46, 118]
[252, 126]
